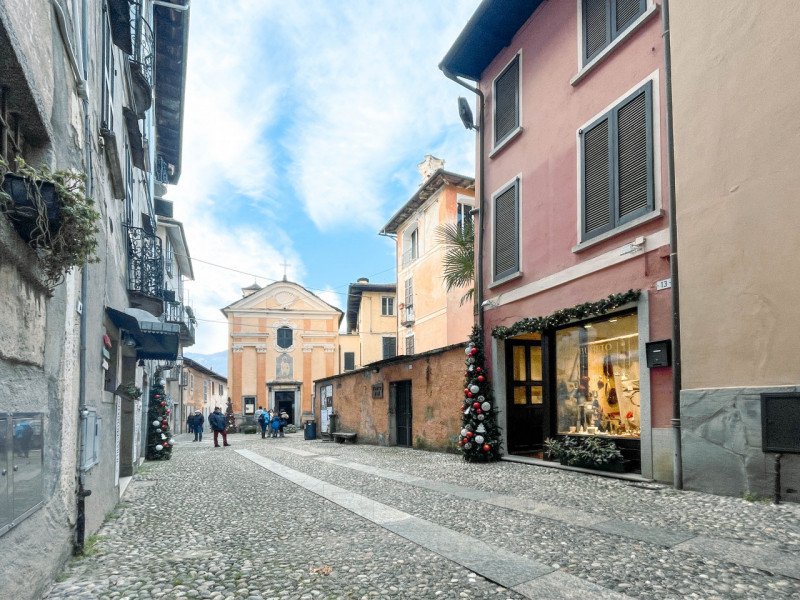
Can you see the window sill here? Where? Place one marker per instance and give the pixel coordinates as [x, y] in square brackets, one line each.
[505, 279]
[508, 139]
[651, 216]
[632, 28]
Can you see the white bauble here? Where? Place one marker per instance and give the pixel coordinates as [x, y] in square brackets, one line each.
[159, 447]
[468, 349]
[479, 439]
[468, 445]
[156, 423]
[171, 440]
[480, 398]
[474, 389]
[463, 432]
[481, 417]
[162, 382]
[485, 406]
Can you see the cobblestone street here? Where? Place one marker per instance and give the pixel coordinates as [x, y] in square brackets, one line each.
[288, 518]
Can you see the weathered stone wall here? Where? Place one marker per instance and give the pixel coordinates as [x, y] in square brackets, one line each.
[437, 381]
[721, 443]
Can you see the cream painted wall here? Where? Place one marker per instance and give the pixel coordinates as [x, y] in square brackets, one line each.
[737, 139]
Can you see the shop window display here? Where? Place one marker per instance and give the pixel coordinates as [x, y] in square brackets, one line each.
[597, 378]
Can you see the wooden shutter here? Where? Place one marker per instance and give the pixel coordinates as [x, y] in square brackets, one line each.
[633, 157]
[596, 35]
[626, 12]
[349, 361]
[506, 101]
[596, 178]
[506, 233]
[389, 347]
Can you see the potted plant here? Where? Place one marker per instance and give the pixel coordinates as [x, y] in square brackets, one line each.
[51, 212]
[589, 453]
[128, 390]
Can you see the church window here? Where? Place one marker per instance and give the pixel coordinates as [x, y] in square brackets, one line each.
[284, 337]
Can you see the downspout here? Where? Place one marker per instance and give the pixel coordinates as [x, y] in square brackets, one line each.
[478, 308]
[677, 466]
[81, 77]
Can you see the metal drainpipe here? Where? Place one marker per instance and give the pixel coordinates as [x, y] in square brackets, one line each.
[478, 309]
[677, 467]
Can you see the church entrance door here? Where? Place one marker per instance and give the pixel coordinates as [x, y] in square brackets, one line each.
[285, 401]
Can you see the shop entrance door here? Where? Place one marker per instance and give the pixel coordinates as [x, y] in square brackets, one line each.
[524, 393]
[403, 413]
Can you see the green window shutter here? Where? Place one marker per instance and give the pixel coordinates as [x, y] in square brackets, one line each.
[506, 101]
[597, 214]
[506, 232]
[634, 149]
[596, 35]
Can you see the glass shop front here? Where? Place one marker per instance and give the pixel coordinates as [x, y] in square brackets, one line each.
[576, 382]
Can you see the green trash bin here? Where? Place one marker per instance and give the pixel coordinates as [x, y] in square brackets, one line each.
[310, 430]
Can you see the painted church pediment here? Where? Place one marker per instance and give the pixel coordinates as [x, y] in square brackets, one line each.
[284, 295]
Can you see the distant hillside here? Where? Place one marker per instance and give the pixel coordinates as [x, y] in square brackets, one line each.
[217, 362]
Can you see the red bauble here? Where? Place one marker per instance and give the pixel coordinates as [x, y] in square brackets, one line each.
[474, 351]
[165, 444]
[466, 390]
[486, 447]
[478, 410]
[469, 394]
[481, 378]
[163, 403]
[476, 405]
[478, 369]
[470, 434]
[156, 396]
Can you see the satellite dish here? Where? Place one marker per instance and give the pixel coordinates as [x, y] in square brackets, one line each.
[465, 112]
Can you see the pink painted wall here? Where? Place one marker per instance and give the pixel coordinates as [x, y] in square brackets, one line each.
[545, 157]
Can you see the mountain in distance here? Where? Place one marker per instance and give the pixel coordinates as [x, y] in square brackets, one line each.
[217, 362]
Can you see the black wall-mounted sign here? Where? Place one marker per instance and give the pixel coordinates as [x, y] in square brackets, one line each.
[377, 390]
[780, 422]
[659, 354]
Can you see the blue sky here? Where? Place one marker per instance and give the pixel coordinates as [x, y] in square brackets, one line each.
[304, 123]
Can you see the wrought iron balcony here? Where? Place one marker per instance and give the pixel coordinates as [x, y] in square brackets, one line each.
[142, 61]
[407, 316]
[176, 312]
[162, 170]
[145, 270]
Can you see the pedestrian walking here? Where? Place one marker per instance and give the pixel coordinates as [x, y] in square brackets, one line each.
[197, 424]
[284, 420]
[217, 422]
[258, 413]
[263, 421]
[275, 424]
[190, 423]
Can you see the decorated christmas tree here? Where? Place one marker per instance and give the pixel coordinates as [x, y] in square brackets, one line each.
[480, 436]
[230, 418]
[159, 436]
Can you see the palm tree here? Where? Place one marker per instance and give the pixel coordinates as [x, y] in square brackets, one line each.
[458, 266]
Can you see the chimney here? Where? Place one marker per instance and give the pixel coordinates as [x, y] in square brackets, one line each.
[362, 280]
[429, 166]
[250, 289]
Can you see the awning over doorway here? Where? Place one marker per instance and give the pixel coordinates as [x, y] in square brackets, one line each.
[154, 339]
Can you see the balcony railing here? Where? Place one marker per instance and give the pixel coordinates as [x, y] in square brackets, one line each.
[407, 316]
[176, 312]
[145, 263]
[143, 48]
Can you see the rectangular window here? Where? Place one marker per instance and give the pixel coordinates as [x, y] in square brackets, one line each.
[168, 258]
[90, 432]
[414, 244]
[605, 20]
[389, 347]
[617, 165]
[107, 88]
[506, 231]
[349, 361]
[387, 306]
[410, 344]
[463, 215]
[408, 316]
[597, 377]
[506, 102]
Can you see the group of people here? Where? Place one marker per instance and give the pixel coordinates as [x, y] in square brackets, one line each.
[273, 420]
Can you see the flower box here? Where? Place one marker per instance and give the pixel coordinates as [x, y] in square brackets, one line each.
[24, 211]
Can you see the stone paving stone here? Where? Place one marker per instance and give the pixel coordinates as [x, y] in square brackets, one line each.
[560, 586]
[652, 535]
[764, 558]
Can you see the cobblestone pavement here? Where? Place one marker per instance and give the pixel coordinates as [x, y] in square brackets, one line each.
[289, 518]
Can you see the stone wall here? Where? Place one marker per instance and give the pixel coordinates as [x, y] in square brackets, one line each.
[437, 381]
[721, 442]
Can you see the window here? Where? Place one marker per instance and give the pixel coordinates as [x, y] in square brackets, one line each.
[617, 165]
[410, 344]
[90, 432]
[389, 347]
[21, 459]
[414, 244]
[220, 389]
[506, 102]
[506, 231]
[463, 215]
[387, 306]
[605, 20]
[169, 257]
[107, 89]
[349, 361]
[409, 305]
[284, 337]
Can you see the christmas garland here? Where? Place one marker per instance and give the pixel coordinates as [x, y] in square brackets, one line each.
[479, 439]
[567, 315]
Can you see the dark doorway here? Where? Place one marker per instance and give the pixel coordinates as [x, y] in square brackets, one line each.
[525, 394]
[403, 391]
[285, 401]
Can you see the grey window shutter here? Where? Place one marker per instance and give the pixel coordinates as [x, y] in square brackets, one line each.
[506, 233]
[506, 101]
[596, 178]
[626, 12]
[349, 361]
[633, 152]
[595, 27]
[389, 347]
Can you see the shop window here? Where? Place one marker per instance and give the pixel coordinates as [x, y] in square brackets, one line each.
[597, 378]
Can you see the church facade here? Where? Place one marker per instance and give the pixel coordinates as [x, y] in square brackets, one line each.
[281, 338]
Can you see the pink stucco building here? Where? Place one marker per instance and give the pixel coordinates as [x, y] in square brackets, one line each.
[573, 210]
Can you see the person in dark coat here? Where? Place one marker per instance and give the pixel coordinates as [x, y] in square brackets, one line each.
[275, 424]
[217, 422]
[197, 425]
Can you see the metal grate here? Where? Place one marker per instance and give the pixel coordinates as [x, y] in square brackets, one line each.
[145, 263]
[596, 180]
[506, 233]
[632, 164]
[506, 94]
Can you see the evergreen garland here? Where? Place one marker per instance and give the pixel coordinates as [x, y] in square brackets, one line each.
[567, 315]
[159, 436]
[479, 439]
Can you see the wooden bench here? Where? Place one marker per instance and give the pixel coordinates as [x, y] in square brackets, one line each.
[343, 436]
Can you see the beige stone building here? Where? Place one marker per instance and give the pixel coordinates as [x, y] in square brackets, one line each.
[371, 325]
[429, 316]
[203, 389]
[282, 338]
[737, 140]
